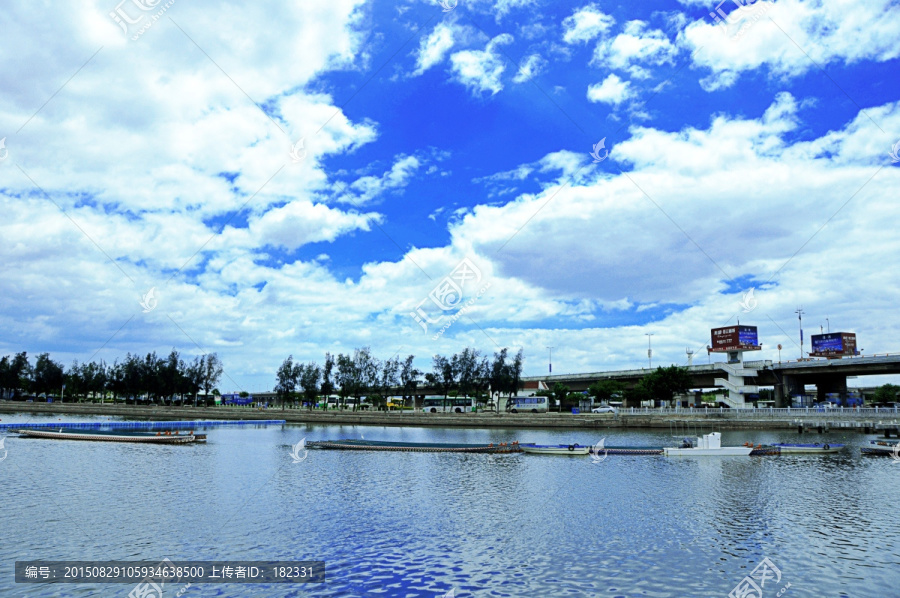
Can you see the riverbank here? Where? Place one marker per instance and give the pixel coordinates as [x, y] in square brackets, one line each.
[721, 420]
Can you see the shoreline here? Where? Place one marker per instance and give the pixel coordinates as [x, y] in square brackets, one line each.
[465, 420]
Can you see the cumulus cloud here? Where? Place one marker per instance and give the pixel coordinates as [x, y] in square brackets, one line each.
[531, 67]
[636, 44]
[368, 188]
[480, 70]
[611, 91]
[433, 48]
[770, 33]
[585, 24]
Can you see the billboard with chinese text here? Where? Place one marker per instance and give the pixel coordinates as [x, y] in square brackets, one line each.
[833, 344]
[734, 338]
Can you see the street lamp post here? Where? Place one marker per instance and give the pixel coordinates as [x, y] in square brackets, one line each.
[800, 313]
[649, 350]
[550, 358]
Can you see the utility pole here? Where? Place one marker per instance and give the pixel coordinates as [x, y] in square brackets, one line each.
[550, 358]
[649, 350]
[799, 311]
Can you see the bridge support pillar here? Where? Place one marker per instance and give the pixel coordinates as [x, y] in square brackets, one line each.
[832, 383]
[789, 386]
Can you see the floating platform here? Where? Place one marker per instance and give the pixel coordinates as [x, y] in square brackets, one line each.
[140, 425]
[111, 436]
[785, 448]
[555, 449]
[608, 450]
[418, 447]
[632, 450]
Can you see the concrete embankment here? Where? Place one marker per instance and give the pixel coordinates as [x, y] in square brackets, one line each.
[466, 420]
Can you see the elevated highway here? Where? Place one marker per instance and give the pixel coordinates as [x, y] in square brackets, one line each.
[788, 378]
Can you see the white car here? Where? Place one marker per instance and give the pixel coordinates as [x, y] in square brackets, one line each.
[603, 410]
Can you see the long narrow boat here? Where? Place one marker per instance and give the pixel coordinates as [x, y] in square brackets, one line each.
[419, 447]
[785, 448]
[116, 436]
[882, 447]
[555, 449]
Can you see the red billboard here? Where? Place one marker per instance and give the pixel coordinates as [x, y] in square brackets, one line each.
[734, 338]
[833, 344]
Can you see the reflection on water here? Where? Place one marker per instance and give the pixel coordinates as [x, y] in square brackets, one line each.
[419, 524]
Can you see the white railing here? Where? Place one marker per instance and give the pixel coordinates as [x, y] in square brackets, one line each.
[765, 412]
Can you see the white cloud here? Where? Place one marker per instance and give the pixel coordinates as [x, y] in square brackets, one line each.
[636, 44]
[585, 24]
[480, 70]
[296, 224]
[611, 91]
[531, 67]
[504, 7]
[433, 48]
[792, 37]
[368, 188]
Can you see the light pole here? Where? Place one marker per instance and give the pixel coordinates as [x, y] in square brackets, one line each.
[800, 313]
[550, 358]
[649, 350]
[828, 324]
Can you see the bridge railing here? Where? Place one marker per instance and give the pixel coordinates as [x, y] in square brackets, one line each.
[767, 412]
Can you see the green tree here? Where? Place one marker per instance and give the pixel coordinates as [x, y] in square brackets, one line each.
[887, 393]
[48, 375]
[500, 379]
[327, 382]
[662, 384]
[443, 375]
[286, 380]
[409, 378]
[560, 393]
[466, 366]
[603, 391]
[212, 371]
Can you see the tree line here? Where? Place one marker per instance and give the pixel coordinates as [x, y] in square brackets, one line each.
[661, 384]
[361, 374]
[159, 379]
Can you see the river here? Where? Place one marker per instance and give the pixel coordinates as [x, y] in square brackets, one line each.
[425, 524]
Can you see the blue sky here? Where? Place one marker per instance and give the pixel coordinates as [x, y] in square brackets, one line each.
[750, 154]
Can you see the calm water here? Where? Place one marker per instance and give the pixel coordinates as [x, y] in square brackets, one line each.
[417, 524]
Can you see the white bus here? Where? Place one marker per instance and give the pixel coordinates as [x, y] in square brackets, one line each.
[527, 404]
[438, 404]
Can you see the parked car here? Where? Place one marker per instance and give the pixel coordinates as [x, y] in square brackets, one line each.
[604, 409]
